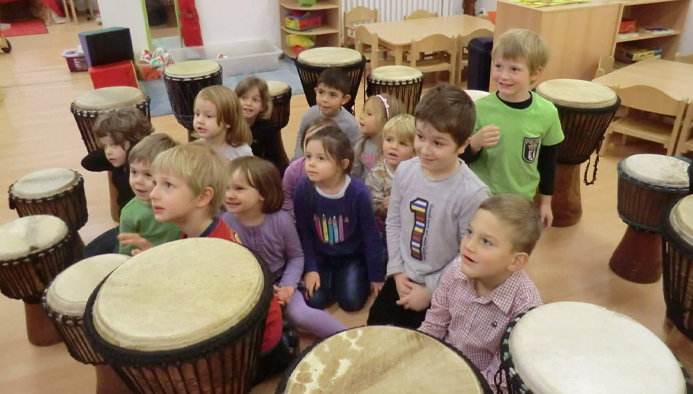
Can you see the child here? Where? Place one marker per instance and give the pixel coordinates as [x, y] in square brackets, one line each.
[517, 132]
[253, 200]
[336, 225]
[484, 288]
[331, 93]
[297, 169]
[376, 112]
[257, 110]
[219, 122]
[434, 197]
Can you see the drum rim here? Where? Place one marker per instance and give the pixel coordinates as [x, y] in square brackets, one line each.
[315, 68]
[77, 110]
[286, 375]
[536, 90]
[598, 110]
[117, 355]
[649, 186]
[282, 94]
[302, 62]
[407, 82]
[78, 184]
[191, 78]
[670, 235]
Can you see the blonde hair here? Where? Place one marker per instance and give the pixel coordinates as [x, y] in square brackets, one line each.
[524, 44]
[263, 176]
[394, 107]
[229, 114]
[403, 126]
[317, 124]
[199, 167]
[124, 124]
[247, 84]
[149, 148]
[520, 215]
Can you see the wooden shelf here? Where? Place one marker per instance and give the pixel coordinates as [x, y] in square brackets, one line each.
[646, 36]
[293, 5]
[327, 35]
[318, 31]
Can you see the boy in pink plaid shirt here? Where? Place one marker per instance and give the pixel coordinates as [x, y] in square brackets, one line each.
[485, 288]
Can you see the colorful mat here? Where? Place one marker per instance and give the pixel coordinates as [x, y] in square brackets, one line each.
[25, 28]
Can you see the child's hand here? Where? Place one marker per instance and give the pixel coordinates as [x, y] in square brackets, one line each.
[376, 287]
[284, 294]
[312, 281]
[418, 299]
[136, 240]
[386, 202]
[486, 136]
[545, 211]
[403, 284]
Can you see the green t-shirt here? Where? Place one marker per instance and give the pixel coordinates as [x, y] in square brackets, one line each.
[510, 167]
[138, 217]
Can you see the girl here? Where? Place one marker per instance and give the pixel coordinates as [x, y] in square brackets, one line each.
[219, 122]
[336, 225]
[376, 112]
[256, 103]
[297, 168]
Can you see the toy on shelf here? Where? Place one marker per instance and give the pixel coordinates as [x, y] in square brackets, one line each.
[302, 20]
[151, 65]
[632, 54]
[626, 26]
[298, 43]
[307, 3]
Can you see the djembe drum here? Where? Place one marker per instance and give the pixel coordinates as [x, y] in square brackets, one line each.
[184, 317]
[312, 62]
[184, 81]
[476, 94]
[647, 185]
[281, 110]
[677, 234]
[575, 347]
[33, 250]
[586, 110]
[64, 302]
[88, 106]
[382, 359]
[402, 82]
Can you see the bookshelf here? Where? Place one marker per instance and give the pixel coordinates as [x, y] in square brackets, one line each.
[326, 35]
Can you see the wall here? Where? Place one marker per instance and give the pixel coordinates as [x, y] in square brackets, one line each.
[126, 13]
[225, 21]
[686, 46]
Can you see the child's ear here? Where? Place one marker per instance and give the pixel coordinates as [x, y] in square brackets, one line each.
[519, 262]
[346, 98]
[344, 164]
[126, 145]
[205, 197]
[533, 78]
[462, 147]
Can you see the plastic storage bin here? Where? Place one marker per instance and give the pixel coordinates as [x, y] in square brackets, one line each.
[302, 22]
[479, 74]
[75, 60]
[242, 57]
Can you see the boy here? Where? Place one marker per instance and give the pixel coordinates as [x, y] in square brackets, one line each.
[517, 132]
[485, 287]
[434, 197]
[331, 93]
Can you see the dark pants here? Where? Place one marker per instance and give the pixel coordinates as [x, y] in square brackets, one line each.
[345, 279]
[280, 356]
[103, 244]
[385, 310]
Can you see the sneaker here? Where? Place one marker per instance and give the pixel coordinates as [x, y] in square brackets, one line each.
[98, 19]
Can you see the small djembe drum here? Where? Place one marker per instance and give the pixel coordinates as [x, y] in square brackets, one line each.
[33, 251]
[586, 110]
[382, 359]
[183, 82]
[476, 94]
[402, 82]
[647, 185]
[281, 110]
[64, 302]
[575, 347]
[312, 62]
[184, 317]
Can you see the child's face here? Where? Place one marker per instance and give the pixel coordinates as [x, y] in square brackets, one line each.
[330, 100]
[172, 199]
[369, 122]
[241, 197]
[319, 166]
[437, 151]
[512, 78]
[487, 250]
[206, 124]
[141, 181]
[116, 154]
[396, 149]
[251, 102]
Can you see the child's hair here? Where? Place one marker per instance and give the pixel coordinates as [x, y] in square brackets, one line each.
[387, 107]
[520, 215]
[403, 126]
[229, 113]
[149, 148]
[335, 78]
[199, 167]
[449, 110]
[337, 145]
[263, 176]
[318, 123]
[247, 84]
[124, 124]
[523, 44]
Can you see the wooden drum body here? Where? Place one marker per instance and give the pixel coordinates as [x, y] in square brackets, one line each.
[281, 111]
[402, 82]
[677, 254]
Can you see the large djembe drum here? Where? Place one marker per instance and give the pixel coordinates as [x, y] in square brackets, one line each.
[64, 302]
[312, 62]
[184, 317]
[184, 81]
[575, 347]
[677, 235]
[476, 94]
[647, 185]
[382, 359]
[586, 110]
[402, 82]
[281, 110]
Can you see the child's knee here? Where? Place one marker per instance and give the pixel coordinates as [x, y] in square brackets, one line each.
[352, 301]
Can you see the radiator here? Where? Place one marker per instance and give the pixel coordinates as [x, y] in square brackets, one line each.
[395, 10]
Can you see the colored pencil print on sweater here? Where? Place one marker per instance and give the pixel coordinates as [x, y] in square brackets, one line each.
[331, 230]
[419, 207]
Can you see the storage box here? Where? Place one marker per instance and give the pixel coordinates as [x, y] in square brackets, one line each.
[75, 61]
[242, 57]
[626, 26]
[114, 74]
[305, 22]
[106, 46]
[634, 54]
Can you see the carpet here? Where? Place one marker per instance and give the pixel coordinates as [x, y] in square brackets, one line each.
[286, 73]
[25, 28]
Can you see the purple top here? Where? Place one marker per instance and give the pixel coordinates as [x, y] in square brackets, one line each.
[295, 171]
[276, 241]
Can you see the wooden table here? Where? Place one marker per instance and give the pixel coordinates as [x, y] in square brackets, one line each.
[397, 36]
[672, 78]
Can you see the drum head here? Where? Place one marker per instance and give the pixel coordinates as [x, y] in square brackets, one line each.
[44, 183]
[382, 359]
[476, 94]
[192, 69]
[178, 294]
[106, 99]
[574, 347]
[657, 170]
[395, 73]
[30, 234]
[277, 87]
[70, 290]
[574, 93]
[681, 219]
[329, 57]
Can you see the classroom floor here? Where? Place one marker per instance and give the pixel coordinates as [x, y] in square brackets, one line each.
[37, 131]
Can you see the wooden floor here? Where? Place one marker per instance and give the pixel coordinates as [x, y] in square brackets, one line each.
[38, 131]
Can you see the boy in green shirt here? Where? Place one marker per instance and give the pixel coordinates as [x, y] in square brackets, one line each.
[514, 145]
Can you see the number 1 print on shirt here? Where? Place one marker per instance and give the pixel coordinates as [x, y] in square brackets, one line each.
[419, 207]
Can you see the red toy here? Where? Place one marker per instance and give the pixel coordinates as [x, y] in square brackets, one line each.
[114, 74]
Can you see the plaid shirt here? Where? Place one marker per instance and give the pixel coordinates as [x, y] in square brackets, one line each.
[475, 325]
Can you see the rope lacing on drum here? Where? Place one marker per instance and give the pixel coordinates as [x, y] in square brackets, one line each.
[596, 162]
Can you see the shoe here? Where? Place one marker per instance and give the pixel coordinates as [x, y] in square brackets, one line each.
[98, 19]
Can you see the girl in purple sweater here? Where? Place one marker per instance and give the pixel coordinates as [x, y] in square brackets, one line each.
[253, 200]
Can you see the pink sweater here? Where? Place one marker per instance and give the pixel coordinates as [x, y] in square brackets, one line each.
[295, 171]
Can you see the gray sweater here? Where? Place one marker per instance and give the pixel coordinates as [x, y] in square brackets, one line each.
[345, 120]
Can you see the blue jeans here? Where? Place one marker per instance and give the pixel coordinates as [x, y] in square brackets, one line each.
[103, 244]
[344, 278]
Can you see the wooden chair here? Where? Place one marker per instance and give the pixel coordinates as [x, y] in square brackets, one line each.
[357, 16]
[420, 14]
[685, 143]
[433, 44]
[367, 44]
[639, 124]
[606, 65]
[463, 62]
[684, 58]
